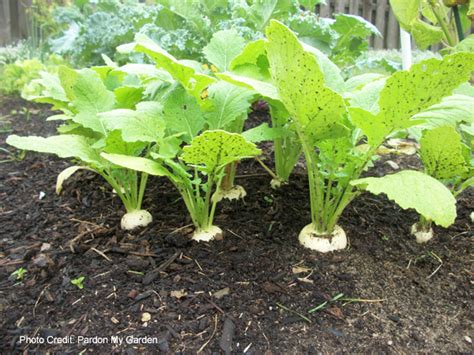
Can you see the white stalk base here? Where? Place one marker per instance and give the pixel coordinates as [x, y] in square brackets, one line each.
[472, 217]
[211, 233]
[311, 239]
[237, 192]
[135, 219]
[422, 236]
[275, 184]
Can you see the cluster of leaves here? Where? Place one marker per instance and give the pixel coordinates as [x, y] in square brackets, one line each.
[432, 21]
[340, 125]
[183, 28]
[15, 76]
[120, 121]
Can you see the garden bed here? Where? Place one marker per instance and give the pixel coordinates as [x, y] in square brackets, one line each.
[251, 291]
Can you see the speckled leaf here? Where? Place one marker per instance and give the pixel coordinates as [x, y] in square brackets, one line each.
[407, 93]
[413, 189]
[442, 153]
[317, 109]
[214, 149]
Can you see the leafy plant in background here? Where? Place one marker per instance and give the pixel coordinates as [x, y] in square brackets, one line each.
[82, 96]
[331, 130]
[184, 28]
[15, 76]
[434, 21]
[196, 171]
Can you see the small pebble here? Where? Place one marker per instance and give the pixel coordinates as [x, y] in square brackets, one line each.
[146, 317]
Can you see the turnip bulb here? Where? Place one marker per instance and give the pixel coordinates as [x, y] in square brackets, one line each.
[135, 219]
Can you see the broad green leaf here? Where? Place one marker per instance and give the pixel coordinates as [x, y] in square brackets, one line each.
[441, 152]
[425, 34]
[145, 124]
[368, 96]
[252, 54]
[138, 164]
[359, 81]
[128, 96]
[413, 189]
[407, 93]
[88, 95]
[215, 149]
[263, 133]
[451, 111]
[66, 174]
[64, 146]
[223, 48]
[194, 82]
[229, 102]
[370, 125]
[406, 11]
[115, 144]
[300, 82]
[182, 114]
[265, 89]
[331, 72]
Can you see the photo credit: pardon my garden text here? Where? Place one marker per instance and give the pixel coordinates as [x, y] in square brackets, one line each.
[88, 340]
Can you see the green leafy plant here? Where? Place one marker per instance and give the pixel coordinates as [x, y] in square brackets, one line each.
[184, 28]
[19, 273]
[431, 22]
[446, 158]
[135, 128]
[340, 139]
[210, 103]
[196, 171]
[79, 282]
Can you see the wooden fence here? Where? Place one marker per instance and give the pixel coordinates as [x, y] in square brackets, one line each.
[14, 22]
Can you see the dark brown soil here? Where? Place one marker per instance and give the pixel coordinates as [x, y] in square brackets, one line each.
[252, 291]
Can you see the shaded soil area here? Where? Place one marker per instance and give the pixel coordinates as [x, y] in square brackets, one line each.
[250, 292]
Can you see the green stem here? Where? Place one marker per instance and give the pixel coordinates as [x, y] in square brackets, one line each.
[444, 26]
[267, 169]
[457, 20]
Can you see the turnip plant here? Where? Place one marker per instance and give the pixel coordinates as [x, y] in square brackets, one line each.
[220, 105]
[136, 127]
[197, 172]
[340, 140]
[446, 158]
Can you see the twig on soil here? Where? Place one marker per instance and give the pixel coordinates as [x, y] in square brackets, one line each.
[101, 254]
[179, 229]
[212, 336]
[5, 262]
[81, 235]
[38, 299]
[135, 253]
[214, 305]
[437, 258]
[294, 312]
[235, 234]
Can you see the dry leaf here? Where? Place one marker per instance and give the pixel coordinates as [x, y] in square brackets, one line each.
[178, 294]
[221, 293]
[300, 269]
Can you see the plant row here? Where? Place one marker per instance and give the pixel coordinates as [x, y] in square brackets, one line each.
[184, 121]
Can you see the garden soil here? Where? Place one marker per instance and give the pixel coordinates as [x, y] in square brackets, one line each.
[250, 292]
